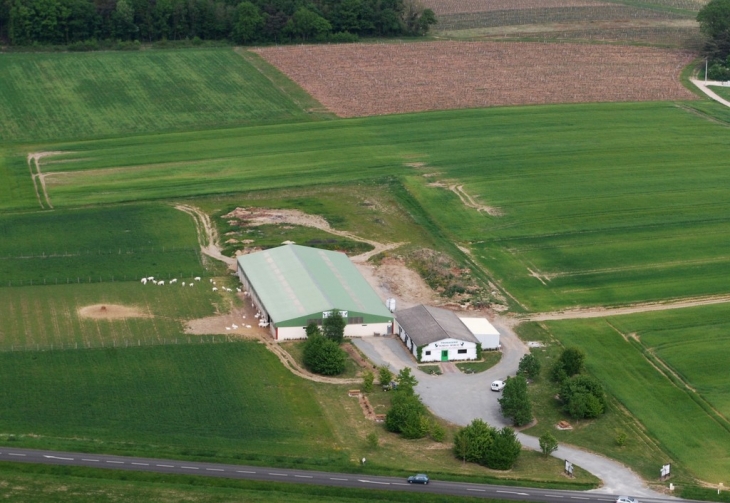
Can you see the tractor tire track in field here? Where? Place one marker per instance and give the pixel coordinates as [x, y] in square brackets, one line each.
[601, 312]
[207, 235]
[34, 158]
[469, 202]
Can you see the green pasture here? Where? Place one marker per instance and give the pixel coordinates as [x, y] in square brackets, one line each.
[110, 243]
[599, 204]
[90, 95]
[696, 438]
[47, 317]
[722, 92]
[218, 400]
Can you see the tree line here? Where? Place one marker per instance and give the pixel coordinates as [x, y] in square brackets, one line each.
[65, 22]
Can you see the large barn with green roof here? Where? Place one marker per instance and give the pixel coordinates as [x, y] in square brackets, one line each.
[294, 285]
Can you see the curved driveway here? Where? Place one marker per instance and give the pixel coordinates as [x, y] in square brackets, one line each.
[461, 398]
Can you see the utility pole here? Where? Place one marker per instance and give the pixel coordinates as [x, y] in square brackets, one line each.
[705, 70]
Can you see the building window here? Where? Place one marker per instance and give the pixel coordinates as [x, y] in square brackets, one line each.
[354, 320]
[428, 353]
[462, 351]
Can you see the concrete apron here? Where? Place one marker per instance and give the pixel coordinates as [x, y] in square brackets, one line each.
[460, 398]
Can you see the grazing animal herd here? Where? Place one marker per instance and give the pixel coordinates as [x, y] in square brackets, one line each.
[151, 279]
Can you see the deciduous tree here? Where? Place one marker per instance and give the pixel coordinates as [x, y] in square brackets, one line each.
[515, 402]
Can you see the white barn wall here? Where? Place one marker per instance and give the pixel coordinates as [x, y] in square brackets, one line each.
[452, 346]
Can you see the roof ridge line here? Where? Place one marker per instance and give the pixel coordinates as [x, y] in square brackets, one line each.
[312, 276]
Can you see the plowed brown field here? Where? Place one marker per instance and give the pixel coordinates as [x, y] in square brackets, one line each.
[441, 7]
[373, 79]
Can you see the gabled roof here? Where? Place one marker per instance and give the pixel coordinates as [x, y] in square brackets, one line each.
[295, 281]
[425, 324]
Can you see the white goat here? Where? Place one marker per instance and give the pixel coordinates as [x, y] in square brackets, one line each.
[197, 278]
[215, 289]
[160, 283]
[144, 281]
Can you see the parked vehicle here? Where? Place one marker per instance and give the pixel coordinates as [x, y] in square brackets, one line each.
[626, 499]
[420, 478]
[498, 385]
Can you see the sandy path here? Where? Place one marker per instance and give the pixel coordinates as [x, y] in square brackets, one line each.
[703, 86]
[469, 201]
[207, 235]
[34, 158]
[601, 312]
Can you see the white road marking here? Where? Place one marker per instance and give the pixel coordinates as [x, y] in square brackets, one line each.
[215, 469]
[116, 462]
[399, 484]
[304, 476]
[479, 490]
[190, 467]
[142, 464]
[553, 496]
[374, 482]
[94, 460]
[279, 474]
[601, 499]
[334, 478]
[513, 492]
[578, 498]
[243, 471]
[14, 454]
[166, 466]
[49, 457]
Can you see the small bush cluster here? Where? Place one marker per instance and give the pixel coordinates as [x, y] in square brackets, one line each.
[487, 446]
[515, 402]
[323, 355]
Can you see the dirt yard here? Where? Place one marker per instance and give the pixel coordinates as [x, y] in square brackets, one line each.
[374, 79]
[111, 312]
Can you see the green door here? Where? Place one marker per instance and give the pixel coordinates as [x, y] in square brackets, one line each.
[444, 355]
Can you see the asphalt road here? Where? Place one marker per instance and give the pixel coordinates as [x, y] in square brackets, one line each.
[348, 480]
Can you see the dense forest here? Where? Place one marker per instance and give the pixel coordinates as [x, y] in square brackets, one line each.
[66, 22]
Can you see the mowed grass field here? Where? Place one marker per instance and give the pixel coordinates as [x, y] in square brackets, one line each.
[45, 96]
[47, 317]
[111, 243]
[669, 370]
[597, 204]
[231, 401]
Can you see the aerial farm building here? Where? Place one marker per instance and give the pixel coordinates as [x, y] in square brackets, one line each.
[432, 334]
[294, 285]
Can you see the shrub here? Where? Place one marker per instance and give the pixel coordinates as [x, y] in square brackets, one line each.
[505, 450]
[583, 397]
[343, 37]
[372, 441]
[569, 363]
[407, 416]
[323, 356]
[367, 381]
[333, 326]
[384, 376]
[621, 438]
[472, 442]
[548, 444]
[438, 432]
[529, 366]
[515, 402]
[406, 381]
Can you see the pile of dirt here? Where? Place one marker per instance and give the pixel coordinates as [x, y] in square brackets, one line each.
[111, 312]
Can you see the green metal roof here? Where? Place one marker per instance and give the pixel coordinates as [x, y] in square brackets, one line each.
[293, 281]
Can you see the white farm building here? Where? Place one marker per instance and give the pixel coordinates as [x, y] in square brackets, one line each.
[294, 285]
[435, 335]
[486, 334]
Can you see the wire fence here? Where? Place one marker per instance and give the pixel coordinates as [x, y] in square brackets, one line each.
[121, 343]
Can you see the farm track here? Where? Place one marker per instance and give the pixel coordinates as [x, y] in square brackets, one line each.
[34, 159]
[704, 87]
[207, 235]
[601, 312]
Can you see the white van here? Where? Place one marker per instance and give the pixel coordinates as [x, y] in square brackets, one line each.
[498, 385]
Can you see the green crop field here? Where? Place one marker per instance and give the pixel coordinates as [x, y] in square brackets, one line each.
[47, 317]
[598, 204]
[45, 96]
[692, 343]
[113, 243]
[223, 400]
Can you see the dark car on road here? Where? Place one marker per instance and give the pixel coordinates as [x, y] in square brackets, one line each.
[420, 478]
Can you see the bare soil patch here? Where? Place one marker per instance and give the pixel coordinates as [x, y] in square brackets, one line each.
[111, 312]
[373, 79]
[443, 7]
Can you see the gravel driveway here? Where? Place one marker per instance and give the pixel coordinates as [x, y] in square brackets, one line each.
[460, 398]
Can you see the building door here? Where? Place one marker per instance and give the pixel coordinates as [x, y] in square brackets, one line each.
[444, 355]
